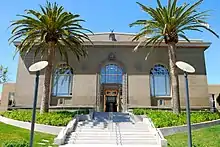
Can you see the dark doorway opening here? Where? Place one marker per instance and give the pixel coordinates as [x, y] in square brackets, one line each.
[111, 104]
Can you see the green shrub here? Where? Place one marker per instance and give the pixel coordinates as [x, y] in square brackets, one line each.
[54, 118]
[163, 118]
[15, 143]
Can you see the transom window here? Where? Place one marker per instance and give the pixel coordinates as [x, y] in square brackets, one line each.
[62, 81]
[159, 81]
[111, 73]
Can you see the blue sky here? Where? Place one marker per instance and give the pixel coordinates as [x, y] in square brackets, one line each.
[101, 16]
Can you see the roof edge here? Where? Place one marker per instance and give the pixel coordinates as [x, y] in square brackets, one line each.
[195, 44]
[118, 33]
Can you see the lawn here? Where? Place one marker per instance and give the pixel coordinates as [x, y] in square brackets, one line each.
[207, 137]
[8, 132]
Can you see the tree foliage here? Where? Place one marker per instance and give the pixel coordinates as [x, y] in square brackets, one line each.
[168, 23]
[36, 29]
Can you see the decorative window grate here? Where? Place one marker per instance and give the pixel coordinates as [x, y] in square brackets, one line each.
[111, 73]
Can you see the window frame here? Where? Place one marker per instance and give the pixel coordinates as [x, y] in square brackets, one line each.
[108, 77]
[70, 77]
[165, 84]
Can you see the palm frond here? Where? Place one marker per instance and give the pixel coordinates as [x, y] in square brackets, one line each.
[167, 22]
[35, 29]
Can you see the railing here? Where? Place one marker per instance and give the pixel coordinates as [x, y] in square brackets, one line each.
[131, 115]
[60, 139]
[110, 119]
[118, 138]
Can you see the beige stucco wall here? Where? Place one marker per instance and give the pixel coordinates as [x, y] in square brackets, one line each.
[84, 90]
[198, 86]
[214, 89]
[25, 84]
[138, 69]
[7, 87]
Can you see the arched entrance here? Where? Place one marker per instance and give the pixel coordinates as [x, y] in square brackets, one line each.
[111, 87]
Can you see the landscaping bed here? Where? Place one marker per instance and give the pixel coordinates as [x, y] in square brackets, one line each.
[164, 118]
[54, 118]
[11, 136]
[207, 137]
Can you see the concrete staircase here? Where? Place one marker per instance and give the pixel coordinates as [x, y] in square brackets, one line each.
[112, 129]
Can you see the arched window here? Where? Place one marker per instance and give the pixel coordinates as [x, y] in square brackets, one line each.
[159, 81]
[62, 81]
[111, 73]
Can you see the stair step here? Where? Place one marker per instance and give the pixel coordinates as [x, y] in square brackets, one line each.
[109, 145]
[92, 126]
[146, 142]
[123, 133]
[92, 138]
[139, 142]
[124, 138]
[91, 134]
[130, 130]
[86, 130]
[92, 142]
[109, 134]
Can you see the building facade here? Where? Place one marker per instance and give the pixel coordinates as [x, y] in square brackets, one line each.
[114, 78]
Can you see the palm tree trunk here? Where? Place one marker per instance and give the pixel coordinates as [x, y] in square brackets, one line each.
[174, 77]
[47, 80]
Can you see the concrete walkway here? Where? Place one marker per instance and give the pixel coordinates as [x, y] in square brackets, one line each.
[27, 125]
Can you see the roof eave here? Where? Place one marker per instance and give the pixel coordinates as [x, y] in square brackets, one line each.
[199, 44]
[203, 45]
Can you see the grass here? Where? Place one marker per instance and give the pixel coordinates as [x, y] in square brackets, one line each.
[207, 137]
[163, 118]
[8, 132]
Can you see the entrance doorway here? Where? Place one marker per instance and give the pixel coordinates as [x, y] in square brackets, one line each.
[111, 88]
[111, 100]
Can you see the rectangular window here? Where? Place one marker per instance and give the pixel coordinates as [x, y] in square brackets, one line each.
[62, 85]
[160, 86]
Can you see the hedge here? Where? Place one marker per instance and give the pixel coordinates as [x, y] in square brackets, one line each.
[164, 118]
[15, 143]
[54, 118]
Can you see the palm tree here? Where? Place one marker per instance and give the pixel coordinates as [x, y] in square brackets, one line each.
[48, 32]
[168, 23]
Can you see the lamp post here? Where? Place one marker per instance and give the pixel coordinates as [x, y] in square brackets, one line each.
[36, 67]
[213, 109]
[187, 68]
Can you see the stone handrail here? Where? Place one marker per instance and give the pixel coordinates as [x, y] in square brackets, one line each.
[60, 139]
[132, 117]
[160, 139]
